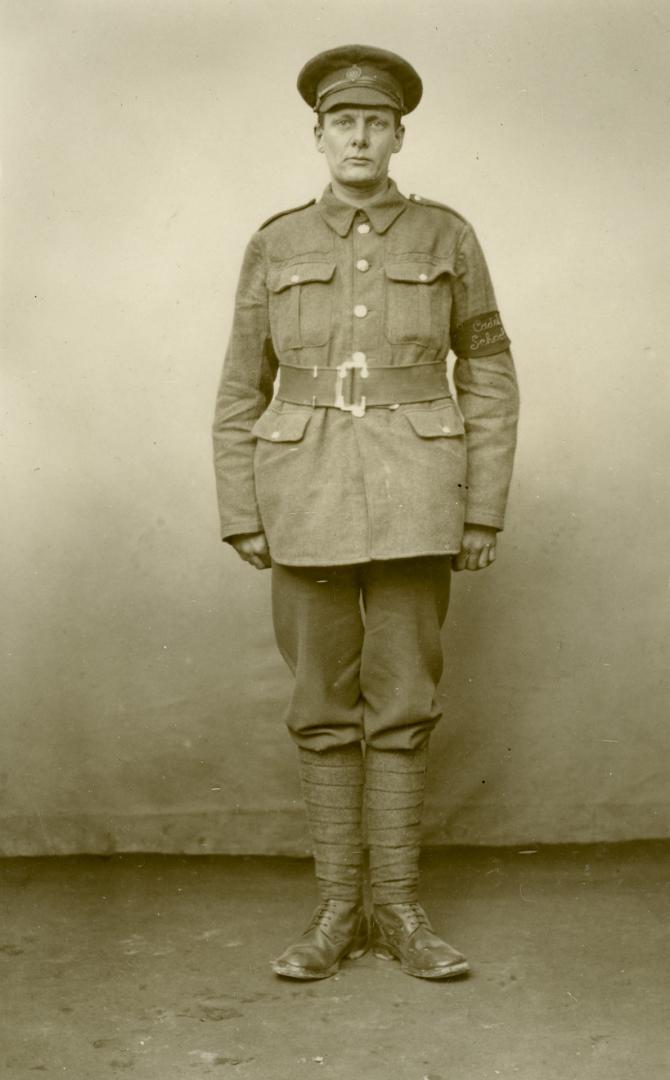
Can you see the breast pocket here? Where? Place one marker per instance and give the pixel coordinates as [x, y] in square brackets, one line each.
[301, 304]
[418, 302]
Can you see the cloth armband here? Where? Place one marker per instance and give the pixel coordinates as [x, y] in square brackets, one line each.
[482, 335]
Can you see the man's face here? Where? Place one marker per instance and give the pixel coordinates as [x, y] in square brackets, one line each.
[358, 143]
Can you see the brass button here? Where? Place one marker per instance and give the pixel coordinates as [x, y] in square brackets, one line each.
[360, 311]
[363, 228]
[295, 277]
[446, 429]
[423, 277]
[359, 357]
[276, 434]
[362, 265]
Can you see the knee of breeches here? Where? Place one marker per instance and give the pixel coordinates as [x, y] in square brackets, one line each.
[407, 738]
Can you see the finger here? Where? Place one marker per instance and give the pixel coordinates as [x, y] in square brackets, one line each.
[472, 561]
[255, 560]
[261, 551]
[458, 561]
[492, 554]
[483, 560]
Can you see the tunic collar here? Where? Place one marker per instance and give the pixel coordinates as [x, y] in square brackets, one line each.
[381, 212]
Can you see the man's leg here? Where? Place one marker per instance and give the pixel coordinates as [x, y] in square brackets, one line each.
[405, 604]
[319, 632]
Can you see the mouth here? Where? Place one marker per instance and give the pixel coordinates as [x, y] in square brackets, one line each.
[360, 160]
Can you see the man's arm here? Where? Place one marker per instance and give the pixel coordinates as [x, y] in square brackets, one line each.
[489, 401]
[488, 398]
[245, 391]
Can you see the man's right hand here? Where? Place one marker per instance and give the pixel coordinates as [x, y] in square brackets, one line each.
[253, 548]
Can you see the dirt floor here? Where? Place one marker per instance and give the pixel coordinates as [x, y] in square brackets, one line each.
[156, 968]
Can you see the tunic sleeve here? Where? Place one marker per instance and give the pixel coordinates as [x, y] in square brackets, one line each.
[486, 384]
[245, 390]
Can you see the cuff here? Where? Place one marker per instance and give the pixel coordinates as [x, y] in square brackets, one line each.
[235, 528]
[474, 516]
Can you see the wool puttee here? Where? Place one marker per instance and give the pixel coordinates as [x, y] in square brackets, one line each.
[333, 782]
[394, 793]
[332, 788]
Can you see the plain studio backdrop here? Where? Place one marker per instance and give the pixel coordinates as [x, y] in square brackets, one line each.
[143, 143]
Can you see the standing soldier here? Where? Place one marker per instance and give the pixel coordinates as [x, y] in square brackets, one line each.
[361, 482]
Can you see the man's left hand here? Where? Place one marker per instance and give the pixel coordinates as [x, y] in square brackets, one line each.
[478, 548]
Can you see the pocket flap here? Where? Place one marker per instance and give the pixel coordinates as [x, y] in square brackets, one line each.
[416, 272]
[436, 423]
[281, 427]
[283, 277]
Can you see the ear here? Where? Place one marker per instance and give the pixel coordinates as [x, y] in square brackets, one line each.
[318, 139]
[399, 139]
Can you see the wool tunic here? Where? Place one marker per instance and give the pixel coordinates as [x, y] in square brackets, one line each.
[399, 282]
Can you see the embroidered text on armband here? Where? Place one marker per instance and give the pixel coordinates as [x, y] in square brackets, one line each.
[283, 213]
[482, 335]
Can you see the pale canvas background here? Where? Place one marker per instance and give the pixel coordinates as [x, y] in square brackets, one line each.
[143, 142]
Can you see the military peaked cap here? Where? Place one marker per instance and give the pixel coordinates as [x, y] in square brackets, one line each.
[359, 75]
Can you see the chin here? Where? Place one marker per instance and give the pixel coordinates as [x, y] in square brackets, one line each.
[359, 176]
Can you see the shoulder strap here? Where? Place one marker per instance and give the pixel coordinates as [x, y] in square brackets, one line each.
[421, 201]
[283, 213]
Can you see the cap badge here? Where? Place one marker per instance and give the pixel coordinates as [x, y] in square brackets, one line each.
[354, 73]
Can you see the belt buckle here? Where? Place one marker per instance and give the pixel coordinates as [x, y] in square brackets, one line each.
[345, 373]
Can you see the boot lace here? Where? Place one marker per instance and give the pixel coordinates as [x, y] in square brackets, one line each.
[325, 915]
[412, 916]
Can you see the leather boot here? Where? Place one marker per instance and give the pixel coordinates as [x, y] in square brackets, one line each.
[403, 932]
[338, 930]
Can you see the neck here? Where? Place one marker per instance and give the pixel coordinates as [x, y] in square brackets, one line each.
[360, 194]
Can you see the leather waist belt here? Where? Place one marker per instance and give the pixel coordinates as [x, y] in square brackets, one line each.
[352, 386]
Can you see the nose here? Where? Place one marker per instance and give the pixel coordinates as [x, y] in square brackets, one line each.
[360, 135]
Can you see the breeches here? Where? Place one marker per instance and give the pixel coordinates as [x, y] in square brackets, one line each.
[363, 642]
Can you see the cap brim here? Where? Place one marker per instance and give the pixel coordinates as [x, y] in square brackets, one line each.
[358, 95]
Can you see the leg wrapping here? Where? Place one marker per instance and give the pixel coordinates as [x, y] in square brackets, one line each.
[332, 788]
[394, 791]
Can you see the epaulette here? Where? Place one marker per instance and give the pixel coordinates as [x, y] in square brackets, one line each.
[440, 206]
[283, 213]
